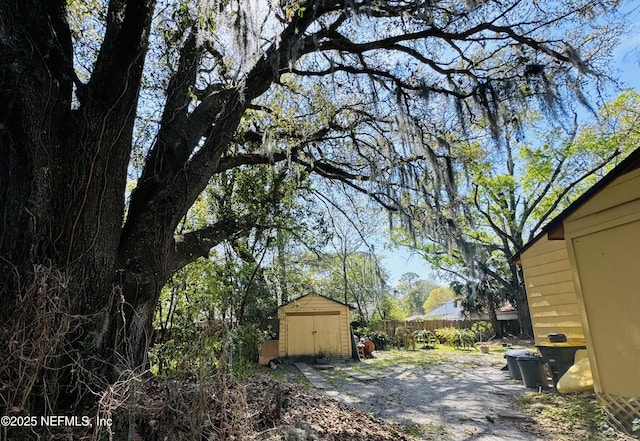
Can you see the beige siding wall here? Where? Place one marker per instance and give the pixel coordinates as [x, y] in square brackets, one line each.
[549, 284]
[603, 238]
[619, 193]
[314, 325]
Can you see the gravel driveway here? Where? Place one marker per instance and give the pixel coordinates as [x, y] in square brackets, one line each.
[459, 397]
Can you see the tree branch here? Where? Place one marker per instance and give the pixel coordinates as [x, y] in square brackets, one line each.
[118, 67]
[403, 85]
[189, 246]
[568, 188]
[499, 231]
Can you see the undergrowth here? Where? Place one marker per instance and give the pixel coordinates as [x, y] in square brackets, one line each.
[43, 373]
[569, 417]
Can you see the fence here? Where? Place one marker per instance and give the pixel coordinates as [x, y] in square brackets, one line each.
[389, 327]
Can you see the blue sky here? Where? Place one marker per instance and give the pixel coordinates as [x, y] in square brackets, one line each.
[627, 54]
[401, 261]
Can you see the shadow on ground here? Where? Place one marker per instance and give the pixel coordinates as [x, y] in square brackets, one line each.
[462, 398]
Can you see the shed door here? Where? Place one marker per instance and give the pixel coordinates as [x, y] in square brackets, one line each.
[313, 335]
[327, 337]
[299, 335]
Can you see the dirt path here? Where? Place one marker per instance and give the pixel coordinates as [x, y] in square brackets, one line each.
[460, 398]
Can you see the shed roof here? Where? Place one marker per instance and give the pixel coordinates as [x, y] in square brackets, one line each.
[316, 295]
[555, 229]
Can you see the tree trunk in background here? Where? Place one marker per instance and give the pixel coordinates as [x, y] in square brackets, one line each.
[520, 299]
[493, 317]
[524, 316]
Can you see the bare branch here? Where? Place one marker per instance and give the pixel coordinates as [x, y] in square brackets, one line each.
[567, 189]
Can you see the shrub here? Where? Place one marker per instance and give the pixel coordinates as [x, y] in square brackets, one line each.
[482, 330]
[193, 352]
[248, 339]
[455, 337]
[380, 339]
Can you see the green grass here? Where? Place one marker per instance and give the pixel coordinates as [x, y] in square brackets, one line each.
[569, 417]
[414, 429]
[432, 430]
[428, 358]
[419, 357]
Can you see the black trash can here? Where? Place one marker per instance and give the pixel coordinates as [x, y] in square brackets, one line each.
[512, 362]
[559, 358]
[532, 370]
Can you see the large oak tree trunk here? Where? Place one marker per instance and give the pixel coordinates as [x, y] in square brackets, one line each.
[63, 169]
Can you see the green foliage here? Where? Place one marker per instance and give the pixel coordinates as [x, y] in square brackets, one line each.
[355, 277]
[207, 348]
[483, 295]
[380, 339]
[199, 313]
[438, 297]
[414, 429]
[504, 196]
[389, 308]
[86, 20]
[482, 330]
[413, 292]
[457, 337]
[196, 351]
[618, 127]
[248, 338]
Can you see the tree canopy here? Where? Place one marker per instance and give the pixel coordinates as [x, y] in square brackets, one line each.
[438, 297]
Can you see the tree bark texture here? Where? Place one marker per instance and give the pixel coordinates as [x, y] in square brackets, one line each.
[63, 163]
